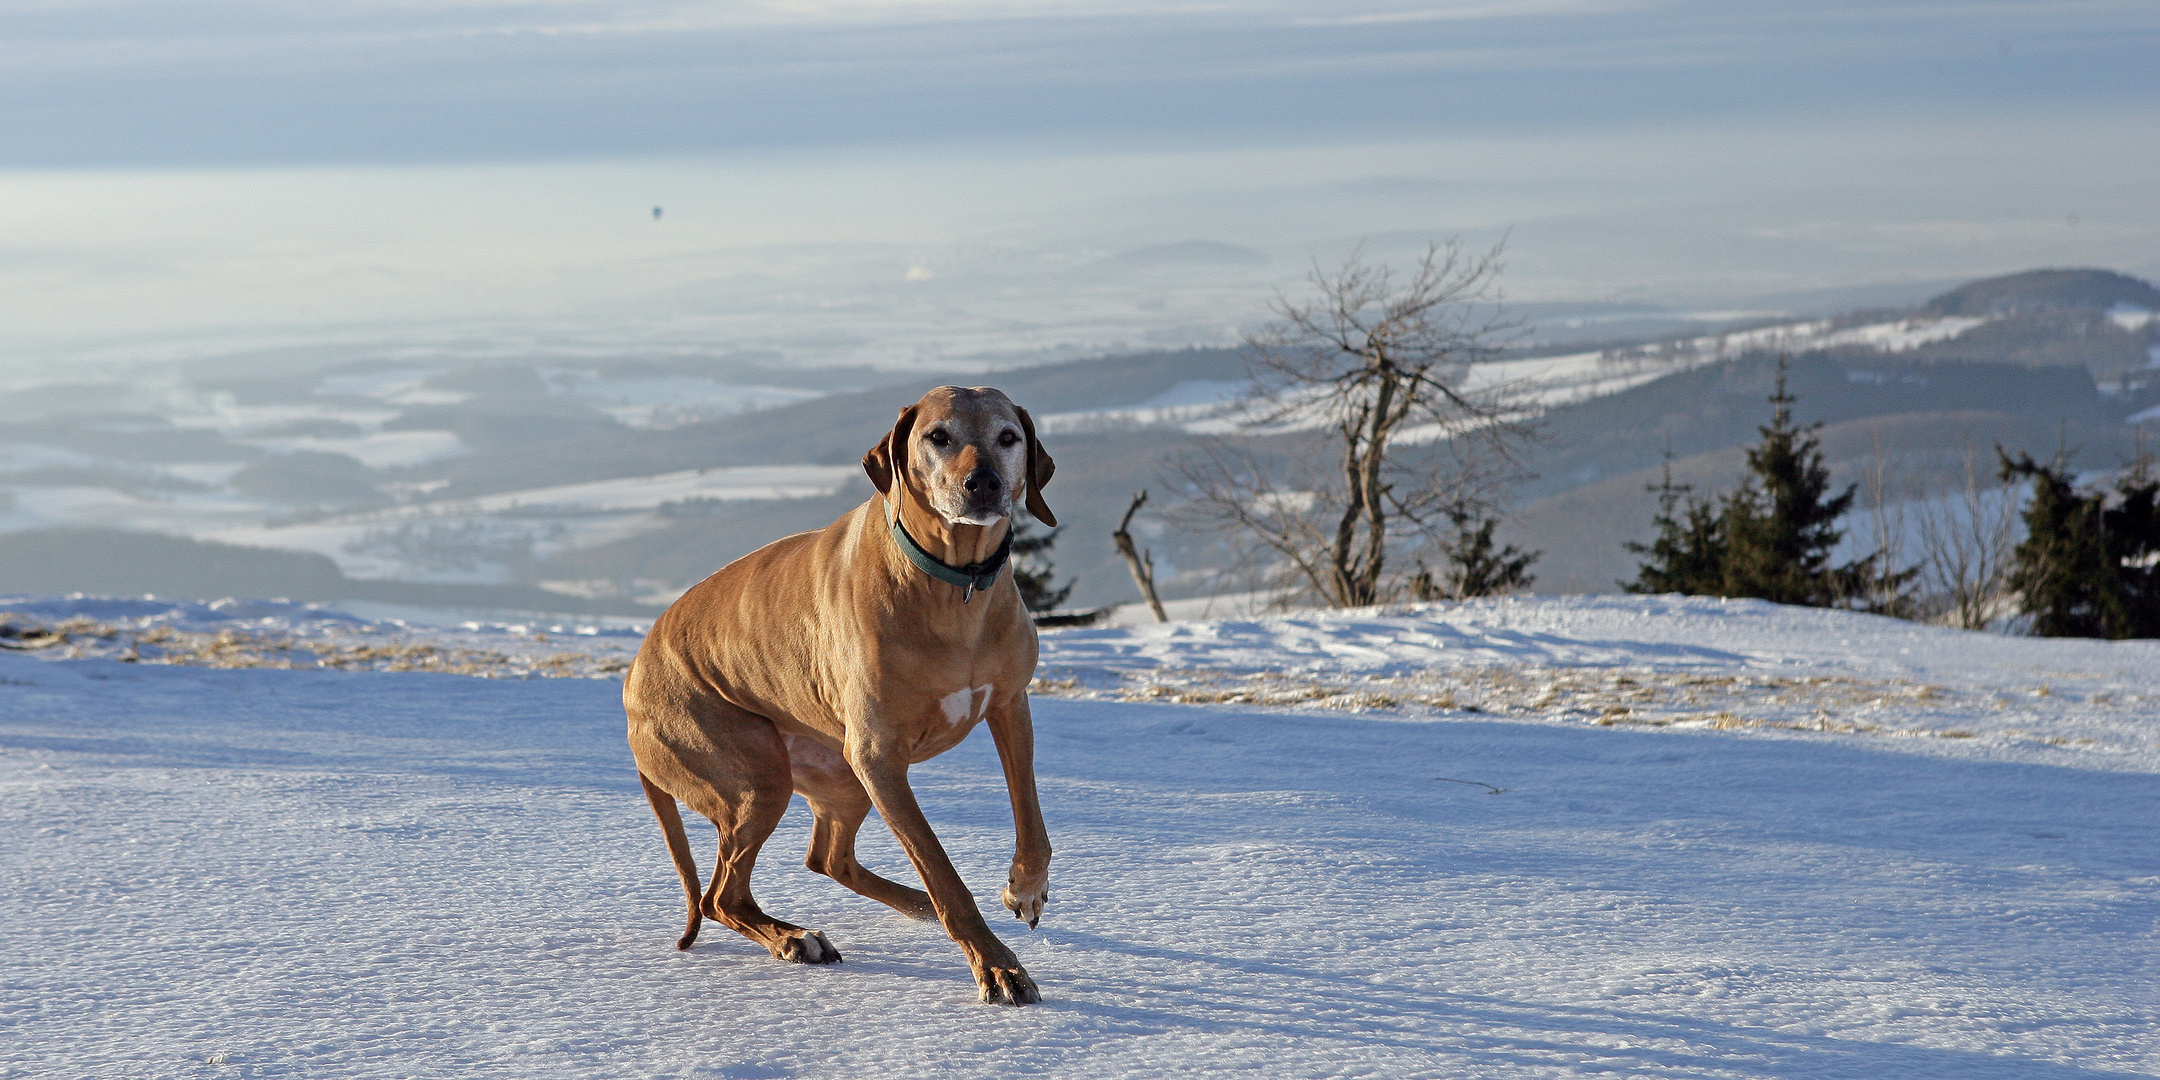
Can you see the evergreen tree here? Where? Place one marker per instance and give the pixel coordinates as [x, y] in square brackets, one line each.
[1032, 570]
[1773, 537]
[2085, 569]
[1779, 536]
[2133, 535]
[1474, 568]
[1688, 555]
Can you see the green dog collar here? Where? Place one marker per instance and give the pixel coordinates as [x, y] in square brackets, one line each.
[967, 578]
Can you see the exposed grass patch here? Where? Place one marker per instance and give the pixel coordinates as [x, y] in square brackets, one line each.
[79, 637]
[1603, 697]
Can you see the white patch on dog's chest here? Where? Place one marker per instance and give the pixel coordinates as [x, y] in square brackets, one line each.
[966, 706]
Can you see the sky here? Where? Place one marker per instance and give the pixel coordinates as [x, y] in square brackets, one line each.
[915, 182]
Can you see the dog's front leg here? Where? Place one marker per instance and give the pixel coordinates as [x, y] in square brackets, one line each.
[1027, 887]
[998, 974]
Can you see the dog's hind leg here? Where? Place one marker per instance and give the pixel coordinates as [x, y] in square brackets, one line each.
[678, 846]
[733, 770]
[840, 804]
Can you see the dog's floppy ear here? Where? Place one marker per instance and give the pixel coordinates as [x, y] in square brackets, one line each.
[887, 460]
[1039, 470]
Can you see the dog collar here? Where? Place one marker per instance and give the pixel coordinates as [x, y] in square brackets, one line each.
[967, 578]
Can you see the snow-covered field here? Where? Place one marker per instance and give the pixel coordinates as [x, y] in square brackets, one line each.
[544, 521]
[494, 539]
[443, 540]
[1675, 838]
[1535, 384]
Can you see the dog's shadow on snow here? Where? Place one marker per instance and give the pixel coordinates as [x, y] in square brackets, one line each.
[1481, 1030]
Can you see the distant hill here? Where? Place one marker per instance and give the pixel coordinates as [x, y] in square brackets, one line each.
[831, 430]
[1721, 406]
[1917, 418]
[2033, 361]
[2046, 290]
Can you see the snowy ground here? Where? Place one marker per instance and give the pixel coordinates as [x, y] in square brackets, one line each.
[1913, 853]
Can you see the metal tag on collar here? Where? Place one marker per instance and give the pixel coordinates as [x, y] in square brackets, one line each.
[967, 592]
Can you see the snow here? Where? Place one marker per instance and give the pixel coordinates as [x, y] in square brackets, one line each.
[2131, 317]
[338, 873]
[377, 450]
[233, 633]
[1554, 381]
[1530, 385]
[373, 447]
[663, 402]
[399, 542]
[1190, 400]
[221, 412]
[646, 492]
[1903, 334]
[385, 383]
[394, 543]
[1551, 382]
[39, 506]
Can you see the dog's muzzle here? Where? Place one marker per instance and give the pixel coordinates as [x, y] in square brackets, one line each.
[987, 498]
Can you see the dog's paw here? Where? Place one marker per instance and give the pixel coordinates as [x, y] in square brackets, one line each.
[808, 947]
[1026, 902]
[1001, 985]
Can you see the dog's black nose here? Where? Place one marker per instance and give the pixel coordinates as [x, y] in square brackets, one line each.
[983, 480]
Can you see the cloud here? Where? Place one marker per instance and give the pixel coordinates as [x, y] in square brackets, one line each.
[150, 83]
[219, 166]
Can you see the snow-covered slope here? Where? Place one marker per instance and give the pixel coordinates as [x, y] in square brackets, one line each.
[449, 540]
[360, 873]
[1542, 383]
[423, 541]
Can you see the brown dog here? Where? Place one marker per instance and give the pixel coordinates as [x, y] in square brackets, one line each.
[828, 662]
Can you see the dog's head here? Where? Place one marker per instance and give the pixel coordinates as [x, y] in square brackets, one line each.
[969, 451]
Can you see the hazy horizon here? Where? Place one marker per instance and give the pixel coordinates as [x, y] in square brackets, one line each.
[915, 183]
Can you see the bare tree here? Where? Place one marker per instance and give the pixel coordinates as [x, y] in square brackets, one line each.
[1966, 542]
[1886, 587]
[1142, 564]
[1362, 439]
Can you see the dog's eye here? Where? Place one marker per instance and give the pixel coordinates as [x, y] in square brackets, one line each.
[1008, 438]
[938, 437]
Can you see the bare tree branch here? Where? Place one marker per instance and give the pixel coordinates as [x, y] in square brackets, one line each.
[1381, 368]
[1142, 564]
[1966, 544]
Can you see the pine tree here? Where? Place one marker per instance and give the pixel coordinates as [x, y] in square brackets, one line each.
[1779, 535]
[2133, 537]
[1032, 570]
[1688, 555]
[1772, 538]
[2086, 569]
[1474, 568]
